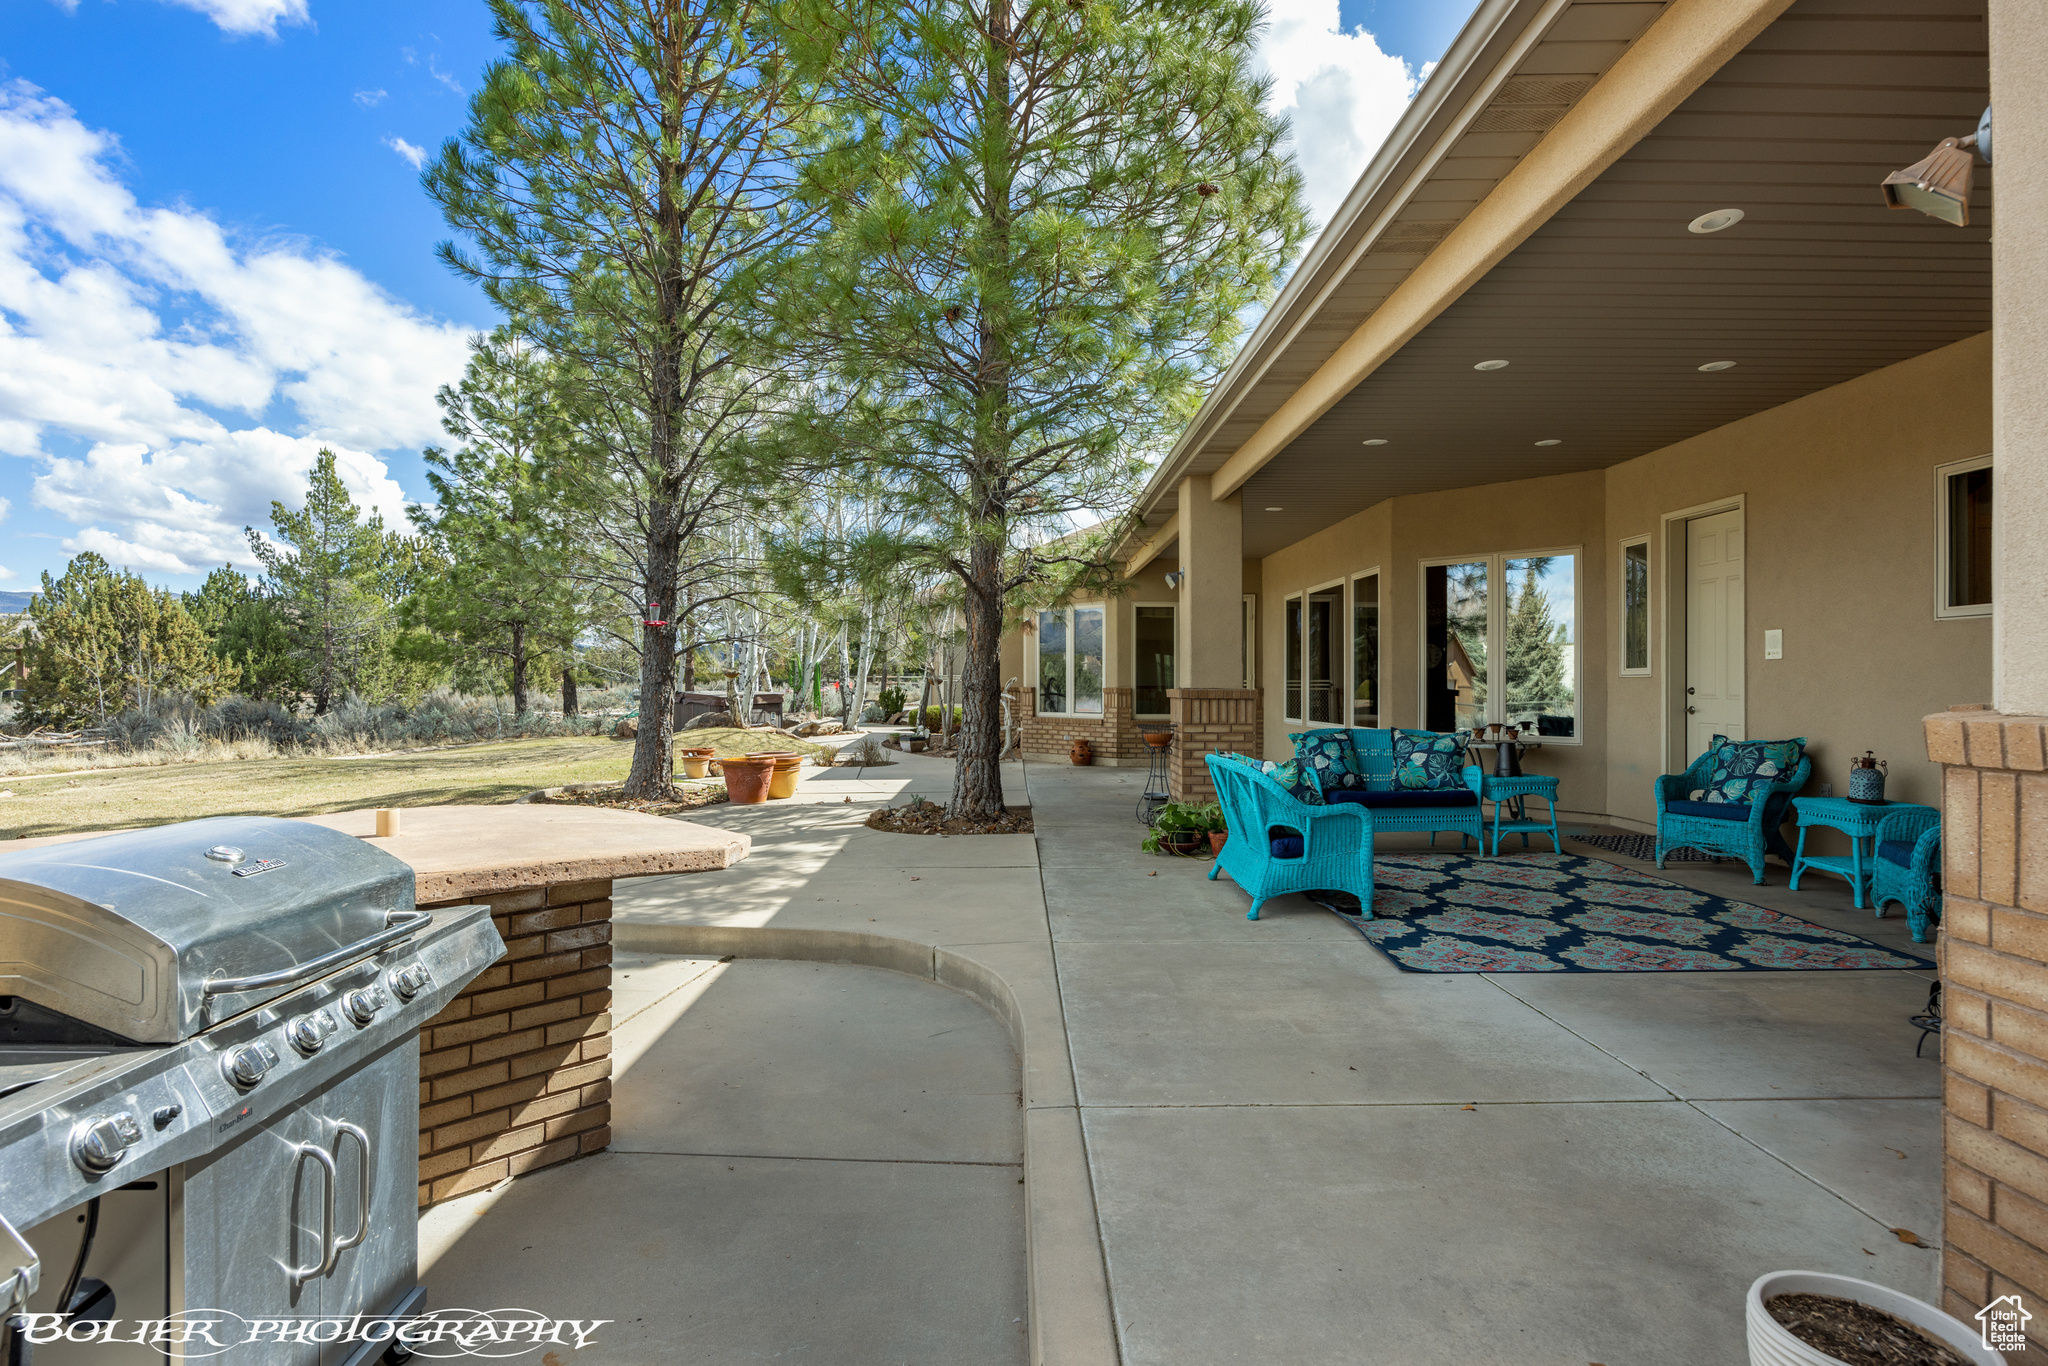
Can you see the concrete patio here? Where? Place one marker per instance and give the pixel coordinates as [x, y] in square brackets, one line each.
[1241, 1139]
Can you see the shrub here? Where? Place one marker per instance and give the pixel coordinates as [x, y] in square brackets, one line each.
[892, 701]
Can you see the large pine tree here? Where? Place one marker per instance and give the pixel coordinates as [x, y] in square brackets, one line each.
[1047, 222]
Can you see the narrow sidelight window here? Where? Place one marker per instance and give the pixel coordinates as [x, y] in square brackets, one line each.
[1052, 662]
[1294, 633]
[1635, 607]
[1152, 646]
[1365, 651]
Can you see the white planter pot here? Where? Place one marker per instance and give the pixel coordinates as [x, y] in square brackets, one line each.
[1770, 1344]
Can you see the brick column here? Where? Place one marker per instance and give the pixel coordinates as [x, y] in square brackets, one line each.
[1207, 721]
[516, 1073]
[1994, 972]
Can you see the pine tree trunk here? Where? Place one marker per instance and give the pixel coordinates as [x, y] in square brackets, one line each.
[518, 669]
[653, 771]
[568, 691]
[978, 778]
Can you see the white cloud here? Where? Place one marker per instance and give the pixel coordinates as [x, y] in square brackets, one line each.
[201, 370]
[249, 16]
[370, 99]
[1342, 93]
[416, 155]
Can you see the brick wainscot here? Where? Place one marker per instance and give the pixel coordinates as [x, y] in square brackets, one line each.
[1994, 972]
[515, 1074]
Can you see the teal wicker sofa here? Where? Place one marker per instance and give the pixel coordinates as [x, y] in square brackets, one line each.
[1907, 866]
[1279, 843]
[1392, 808]
[1747, 831]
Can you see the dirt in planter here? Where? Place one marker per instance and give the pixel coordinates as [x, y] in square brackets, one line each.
[1856, 1333]
[678, 800]
[920, 817]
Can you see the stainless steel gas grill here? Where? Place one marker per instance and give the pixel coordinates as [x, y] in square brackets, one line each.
[209, 1082]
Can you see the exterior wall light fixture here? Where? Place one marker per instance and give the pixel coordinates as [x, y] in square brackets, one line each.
[1175, 578]
[1938, 185]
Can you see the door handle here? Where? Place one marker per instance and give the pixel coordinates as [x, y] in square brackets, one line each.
[301, 1274]
[1690, 710]
[343, 1129]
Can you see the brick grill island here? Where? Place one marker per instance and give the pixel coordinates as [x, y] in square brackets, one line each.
[515, 1074]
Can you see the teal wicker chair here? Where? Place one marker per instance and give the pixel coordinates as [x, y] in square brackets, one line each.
[1907, 867]
[1725, 829]
[1279, 843]
[1392, 809]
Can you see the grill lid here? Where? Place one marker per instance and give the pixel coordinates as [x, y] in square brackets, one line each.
[123, 932]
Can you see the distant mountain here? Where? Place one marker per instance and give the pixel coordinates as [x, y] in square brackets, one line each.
[14, 602]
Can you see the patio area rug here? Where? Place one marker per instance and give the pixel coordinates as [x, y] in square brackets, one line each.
[1566, 913]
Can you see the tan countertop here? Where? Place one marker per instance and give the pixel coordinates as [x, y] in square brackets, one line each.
[459, 851]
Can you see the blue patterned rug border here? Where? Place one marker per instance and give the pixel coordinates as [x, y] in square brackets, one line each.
[1538, 912]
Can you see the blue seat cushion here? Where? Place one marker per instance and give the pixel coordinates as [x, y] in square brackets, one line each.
[1719, 811]
[1464, 796]
[1896, 851]
[1286, 845]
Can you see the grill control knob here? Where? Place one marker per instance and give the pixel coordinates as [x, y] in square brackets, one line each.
[410, 980]
[363, 1003]
[246, 1064]
[308, 1032]
[97, 1145]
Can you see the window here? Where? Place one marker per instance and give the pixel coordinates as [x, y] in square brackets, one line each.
[1635, 607]
[1152, 644]
[1070, 662]
[1293, 708]
[1365, 651]
[1248, 625]
[1500, 643]
[1963, 539]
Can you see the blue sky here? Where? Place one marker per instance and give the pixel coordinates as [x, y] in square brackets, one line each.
[215, 256]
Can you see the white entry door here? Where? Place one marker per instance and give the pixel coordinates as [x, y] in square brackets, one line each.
[1713, 631]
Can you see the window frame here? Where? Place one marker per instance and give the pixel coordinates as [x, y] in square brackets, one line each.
[1496, 634]
[1351, 583]
[1342, 629]
[1174, 607]
[1942, 518]
[1649, 668]
[1248, 647]
[1038, 691]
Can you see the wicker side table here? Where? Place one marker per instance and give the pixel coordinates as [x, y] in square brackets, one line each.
[1512, 794]
[1857, 820]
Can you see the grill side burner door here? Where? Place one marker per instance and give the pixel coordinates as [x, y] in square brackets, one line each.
[250, 1212]
[378, 1099]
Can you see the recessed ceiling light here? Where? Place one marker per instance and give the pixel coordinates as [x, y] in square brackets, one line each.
[1550, 441]
[1491, 365]
[1715, 221]
[1715, 366]
[1375, 441]
[1276, 509]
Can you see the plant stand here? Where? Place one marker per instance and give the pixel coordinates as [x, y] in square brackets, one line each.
[1158, 771]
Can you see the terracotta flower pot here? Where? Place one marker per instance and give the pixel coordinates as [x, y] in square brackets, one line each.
[695, 761]
[1158, 739]
[1216, 838]
[1081, 753]
[747, 778]
[783, 782]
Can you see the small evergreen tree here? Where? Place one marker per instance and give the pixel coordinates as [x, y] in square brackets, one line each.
[105, 642]
[244, 627]
[1535, 647]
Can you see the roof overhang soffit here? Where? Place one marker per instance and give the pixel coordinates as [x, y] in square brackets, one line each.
[1686, 45]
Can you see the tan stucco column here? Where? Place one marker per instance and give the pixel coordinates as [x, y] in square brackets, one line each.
[1994, 933]
[2019, 352]
[1210, 707]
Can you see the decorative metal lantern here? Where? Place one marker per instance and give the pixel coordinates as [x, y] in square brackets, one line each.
[1866, 779]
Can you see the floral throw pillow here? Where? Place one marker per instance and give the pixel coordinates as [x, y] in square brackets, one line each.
[1292, 775]
[1430, 761]
[1741, 770]
[1328, 754]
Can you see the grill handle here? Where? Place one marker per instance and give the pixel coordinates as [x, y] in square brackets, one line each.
[397, 925]
[301, 1274]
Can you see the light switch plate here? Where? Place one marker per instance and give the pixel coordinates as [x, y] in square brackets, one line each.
[1774, 645]
[1827, 789]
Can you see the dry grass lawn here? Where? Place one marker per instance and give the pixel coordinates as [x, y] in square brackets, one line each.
[117, 799]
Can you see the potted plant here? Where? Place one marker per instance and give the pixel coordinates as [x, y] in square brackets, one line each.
[1183, 828]
[1772, 1343]
[782, 783]
[747, 777]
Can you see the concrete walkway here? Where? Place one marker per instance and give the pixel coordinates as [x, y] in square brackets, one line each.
[1263, 1141]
